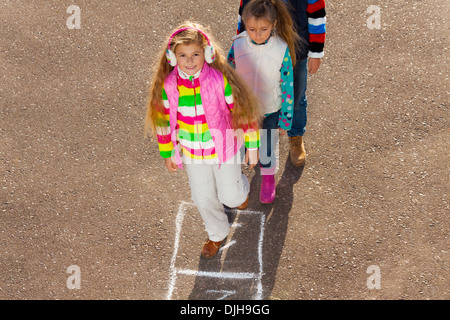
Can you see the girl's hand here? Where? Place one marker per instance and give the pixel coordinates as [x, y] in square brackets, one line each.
[282, 132]
[252, 157]
[170, 165]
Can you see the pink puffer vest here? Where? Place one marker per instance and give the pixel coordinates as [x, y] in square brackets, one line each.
[217, 113]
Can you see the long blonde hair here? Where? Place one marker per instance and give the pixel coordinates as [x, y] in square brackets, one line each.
[276, 11]
[245, 110]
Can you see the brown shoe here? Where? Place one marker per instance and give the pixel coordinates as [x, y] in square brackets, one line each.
[210, 248]
[298, 153]
[245, 204]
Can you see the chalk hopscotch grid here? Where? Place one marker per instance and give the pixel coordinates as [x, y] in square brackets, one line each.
[223, 275]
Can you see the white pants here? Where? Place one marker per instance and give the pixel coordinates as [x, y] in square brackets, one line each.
[213, 186]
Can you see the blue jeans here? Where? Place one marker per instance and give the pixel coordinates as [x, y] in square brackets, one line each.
[300, 103]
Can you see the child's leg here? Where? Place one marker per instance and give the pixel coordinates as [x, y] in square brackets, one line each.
[269, 144]
[232, 185]
[204, 195]
[268, 157]
[297, 151]
[300, 103]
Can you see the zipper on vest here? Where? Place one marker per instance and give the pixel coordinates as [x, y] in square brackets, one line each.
[196, 115]
[258, 62]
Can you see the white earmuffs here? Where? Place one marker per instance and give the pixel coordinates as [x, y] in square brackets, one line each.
[209, 49]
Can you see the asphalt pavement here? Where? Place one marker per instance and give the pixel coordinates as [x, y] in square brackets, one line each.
[88, 211]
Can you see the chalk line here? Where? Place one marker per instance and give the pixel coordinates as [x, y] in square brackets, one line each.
[227, 245]
[223, 275]
[220, 275]
[226, 293]
[173, 271]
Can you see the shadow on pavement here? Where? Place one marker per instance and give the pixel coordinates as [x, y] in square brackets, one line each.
[245, 268]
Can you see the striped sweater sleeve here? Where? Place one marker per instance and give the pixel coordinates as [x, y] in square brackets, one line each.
[316, 27]
[251, 135]
[163, 129]
[240, 25]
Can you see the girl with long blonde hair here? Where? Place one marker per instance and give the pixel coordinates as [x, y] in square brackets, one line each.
[202, 112]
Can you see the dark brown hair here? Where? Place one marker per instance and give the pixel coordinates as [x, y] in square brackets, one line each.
[275, 11]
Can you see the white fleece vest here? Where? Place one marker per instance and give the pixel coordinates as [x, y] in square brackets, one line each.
[259, 66]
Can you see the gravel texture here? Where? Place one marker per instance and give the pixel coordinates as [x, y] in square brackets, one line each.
[80, 185]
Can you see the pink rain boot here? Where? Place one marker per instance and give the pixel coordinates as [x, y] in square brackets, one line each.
[267, 194]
